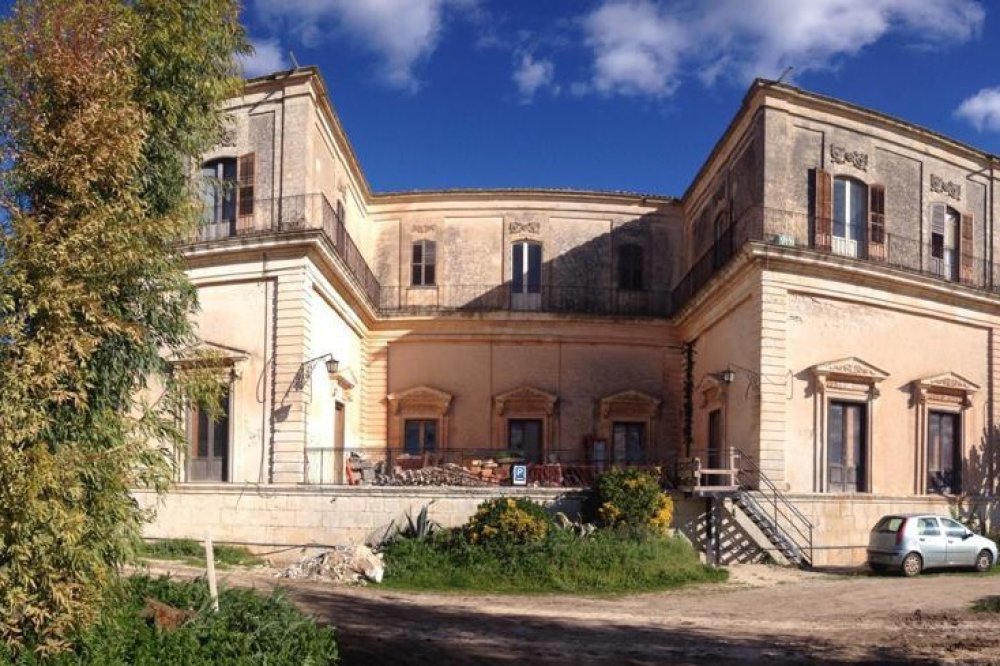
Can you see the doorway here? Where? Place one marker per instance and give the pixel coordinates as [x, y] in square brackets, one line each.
[847, 448]
[524, 437]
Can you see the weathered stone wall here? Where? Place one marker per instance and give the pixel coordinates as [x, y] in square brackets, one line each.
[281, 515]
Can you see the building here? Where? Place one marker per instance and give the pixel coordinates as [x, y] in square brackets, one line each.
[822, 300]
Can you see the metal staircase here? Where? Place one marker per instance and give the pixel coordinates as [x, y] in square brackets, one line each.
[785, 528]
[778, 519]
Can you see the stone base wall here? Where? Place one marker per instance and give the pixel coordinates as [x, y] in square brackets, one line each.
[295, 515]
[841, 524]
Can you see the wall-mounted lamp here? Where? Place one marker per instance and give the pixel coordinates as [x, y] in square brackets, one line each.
[727, 376]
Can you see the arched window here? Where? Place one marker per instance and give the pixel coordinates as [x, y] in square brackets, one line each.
[850, 217]
[630, 267]
[945, 240]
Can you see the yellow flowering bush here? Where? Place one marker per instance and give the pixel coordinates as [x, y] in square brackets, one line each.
[633, 498]
[507, 521]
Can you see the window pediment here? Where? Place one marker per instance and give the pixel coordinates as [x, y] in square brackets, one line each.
[851, 369]
[945, 387]
[420, 399]
[205, 354]
[629, 404]
[525, 399]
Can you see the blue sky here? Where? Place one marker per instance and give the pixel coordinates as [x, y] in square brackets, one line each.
[615, 94]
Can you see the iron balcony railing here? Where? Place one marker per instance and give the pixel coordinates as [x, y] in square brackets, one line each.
[548, 298]
[294, 213]
[795, 229]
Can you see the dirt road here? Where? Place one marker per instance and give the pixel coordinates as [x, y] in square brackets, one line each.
[765, 615]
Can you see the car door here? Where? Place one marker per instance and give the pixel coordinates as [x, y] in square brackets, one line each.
[961, 549]
[933, 543]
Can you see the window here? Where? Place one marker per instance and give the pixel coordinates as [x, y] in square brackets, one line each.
[945, 241]
[847, 447]
[420, 436]
[526, 268]
[928, 527]
[944, 453]
[628, 443]
[850, 217]
[524, 437]
[218, 191]
[208, 458]
[630, 267]
[526, 275]
[424, 263]
[953, 529]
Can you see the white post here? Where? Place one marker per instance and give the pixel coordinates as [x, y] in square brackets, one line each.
[213, 589]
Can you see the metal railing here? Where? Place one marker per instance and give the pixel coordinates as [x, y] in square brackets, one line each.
[294, 213]
[795, 229]
[548, 298]
[785, 516]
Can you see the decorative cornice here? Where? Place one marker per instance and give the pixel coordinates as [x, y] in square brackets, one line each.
[631, 403]
[945, 387]
[420, 398]
[525, 397]
[850, 368]
[524, 227]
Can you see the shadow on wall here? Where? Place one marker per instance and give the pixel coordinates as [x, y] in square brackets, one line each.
[624, 272]
[979, 505]
[736, 544]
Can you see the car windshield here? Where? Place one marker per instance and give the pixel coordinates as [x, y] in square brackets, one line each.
[889, 524]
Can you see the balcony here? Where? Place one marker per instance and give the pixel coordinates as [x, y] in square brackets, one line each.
[793, 229]
[294, 213]
[559, 299]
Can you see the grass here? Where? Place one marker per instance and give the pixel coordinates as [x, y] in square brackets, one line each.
[604, 563]
[249, 630]
[192, 552]
[987, 604]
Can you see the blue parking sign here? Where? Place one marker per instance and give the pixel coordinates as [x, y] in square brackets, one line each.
[519, 474]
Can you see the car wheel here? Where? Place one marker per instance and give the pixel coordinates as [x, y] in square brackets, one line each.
[912, 565]
[984, 560]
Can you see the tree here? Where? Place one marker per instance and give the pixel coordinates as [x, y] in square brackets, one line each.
[103, 106]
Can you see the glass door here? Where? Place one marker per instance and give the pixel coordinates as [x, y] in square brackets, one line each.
[525, 276]
[846, 449]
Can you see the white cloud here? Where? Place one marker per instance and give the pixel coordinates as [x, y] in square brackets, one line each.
[267, 57]
[982, 110]
[402, 33]
[532, 75]
[639, 46]
[636, 47]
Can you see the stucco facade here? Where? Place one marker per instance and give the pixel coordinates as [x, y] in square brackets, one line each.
[822, 298]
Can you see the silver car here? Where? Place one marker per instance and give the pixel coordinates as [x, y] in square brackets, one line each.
[912, 543]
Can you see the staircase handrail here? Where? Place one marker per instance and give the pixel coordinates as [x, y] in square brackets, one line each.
[779, 502]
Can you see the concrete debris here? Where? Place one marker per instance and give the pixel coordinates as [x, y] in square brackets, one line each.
[351, 565]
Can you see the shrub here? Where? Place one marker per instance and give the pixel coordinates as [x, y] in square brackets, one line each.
[633, 499]
[507, 521]
[608, 561]
[987, 605]
[248, 629]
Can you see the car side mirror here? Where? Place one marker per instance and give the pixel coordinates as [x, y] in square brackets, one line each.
[967, 535]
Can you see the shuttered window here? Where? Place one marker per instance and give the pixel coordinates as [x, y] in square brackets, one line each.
[966, 248]
[944, 241]
[876, 223]
[822, 209]
[424, 263]
[246, 176]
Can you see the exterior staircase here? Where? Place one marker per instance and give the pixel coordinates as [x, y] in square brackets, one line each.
[783, 526]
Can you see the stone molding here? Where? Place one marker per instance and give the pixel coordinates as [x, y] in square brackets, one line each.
[420, 400]
[855, 158]
[949, 187]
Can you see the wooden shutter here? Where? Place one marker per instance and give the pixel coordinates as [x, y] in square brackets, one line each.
[876, 223]
[245, 192]
[430, 262]
[965, 249]
[822, 209]
[938, 215]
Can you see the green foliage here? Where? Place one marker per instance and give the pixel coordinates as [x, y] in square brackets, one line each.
[193, 552]
[506, 521]
[987, 604]
[102, 103]
[607, 562]
[633, 499]
[248, 629]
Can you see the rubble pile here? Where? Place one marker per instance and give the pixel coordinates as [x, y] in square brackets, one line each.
[351, 565]
[448, 474]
